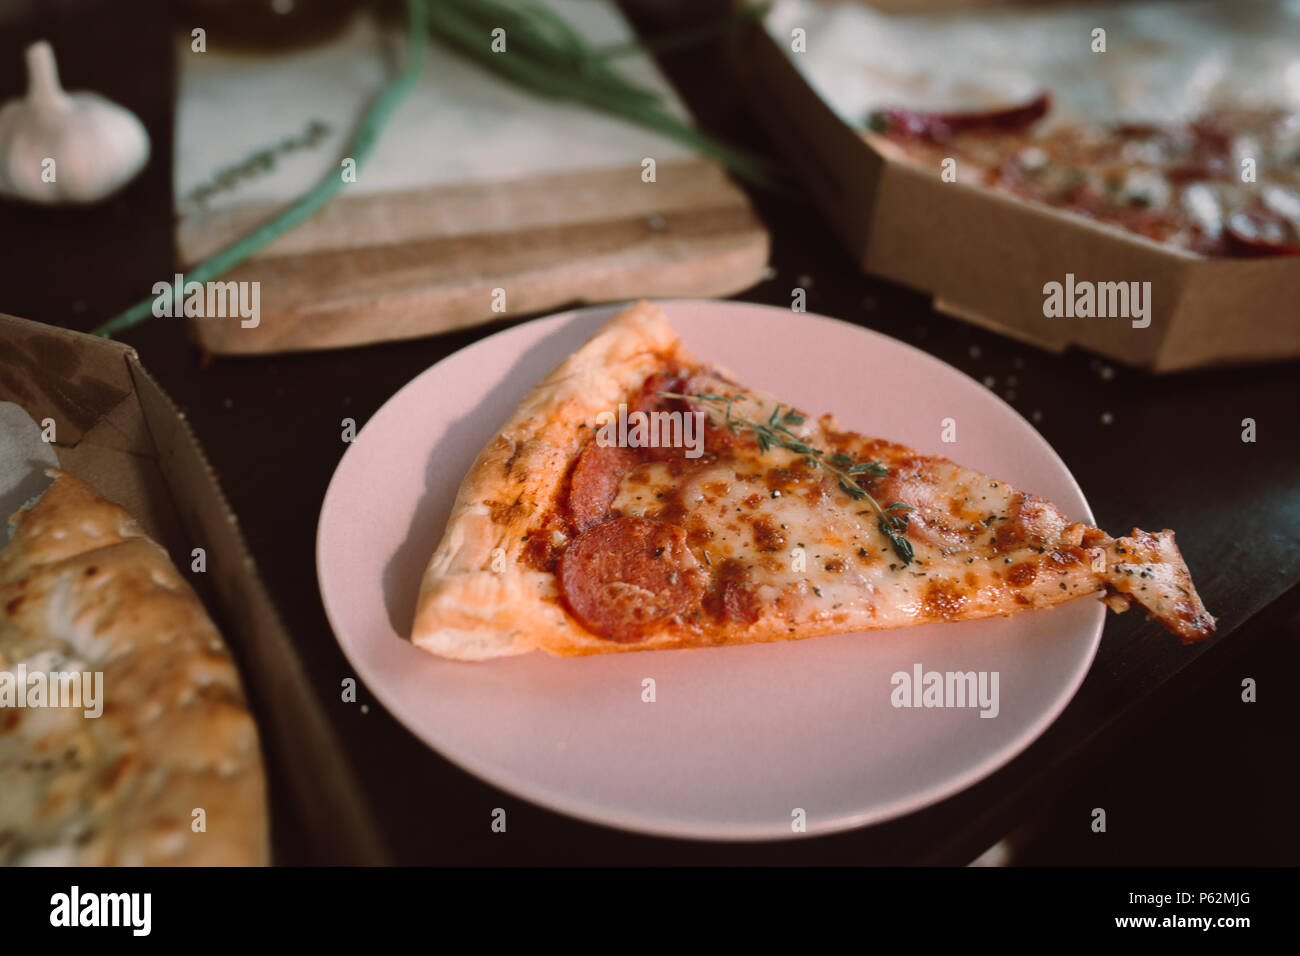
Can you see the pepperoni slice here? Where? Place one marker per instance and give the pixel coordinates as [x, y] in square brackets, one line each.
[600, 469]
[716, 440]
[649, 400]
[595, 480]
[628, 577]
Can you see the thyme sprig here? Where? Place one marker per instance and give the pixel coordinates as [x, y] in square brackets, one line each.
[776, 431]
[256, 163]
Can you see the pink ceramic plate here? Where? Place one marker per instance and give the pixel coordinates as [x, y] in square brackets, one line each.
[740, 743]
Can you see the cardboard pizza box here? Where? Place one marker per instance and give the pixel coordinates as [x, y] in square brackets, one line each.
[986, 257]
[116, 429]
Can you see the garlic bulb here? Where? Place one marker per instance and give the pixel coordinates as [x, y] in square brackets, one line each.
[58, 147]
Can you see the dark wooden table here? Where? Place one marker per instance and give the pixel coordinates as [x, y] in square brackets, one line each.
[1157, 733]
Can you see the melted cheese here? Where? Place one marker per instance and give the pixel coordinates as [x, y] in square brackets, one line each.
[799, 547]
[812, 554]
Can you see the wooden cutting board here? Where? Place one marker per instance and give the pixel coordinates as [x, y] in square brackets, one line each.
[478, 191]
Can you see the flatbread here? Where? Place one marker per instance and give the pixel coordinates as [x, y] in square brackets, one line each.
[83, 590]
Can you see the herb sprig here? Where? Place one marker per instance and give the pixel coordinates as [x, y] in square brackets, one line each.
[256, 163]
[776, 431]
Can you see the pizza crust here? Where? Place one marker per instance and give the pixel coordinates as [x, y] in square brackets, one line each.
[83, 589]
[467, 611]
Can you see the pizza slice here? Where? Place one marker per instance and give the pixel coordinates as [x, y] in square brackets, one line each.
[639, 500]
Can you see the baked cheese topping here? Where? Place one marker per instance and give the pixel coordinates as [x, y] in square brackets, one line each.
[747, 535]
